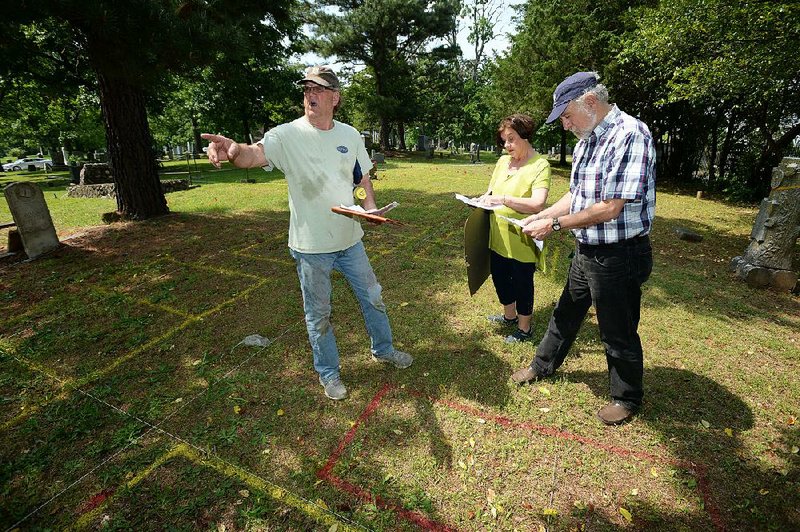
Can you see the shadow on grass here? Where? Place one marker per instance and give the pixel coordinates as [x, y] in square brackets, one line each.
[674, 402]
[187, 272]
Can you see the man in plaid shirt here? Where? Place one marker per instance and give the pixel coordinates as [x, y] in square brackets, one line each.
[609, 208]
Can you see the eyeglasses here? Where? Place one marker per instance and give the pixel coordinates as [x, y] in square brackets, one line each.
[314, 89]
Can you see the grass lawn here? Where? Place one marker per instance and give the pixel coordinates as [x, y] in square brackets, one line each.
[128, 401]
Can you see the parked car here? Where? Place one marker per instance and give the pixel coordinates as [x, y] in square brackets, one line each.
[22, 164]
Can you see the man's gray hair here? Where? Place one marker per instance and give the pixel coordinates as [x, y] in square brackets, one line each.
[599, 91]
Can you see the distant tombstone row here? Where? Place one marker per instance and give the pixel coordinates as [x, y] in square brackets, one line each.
[32, 217]
[767, 261]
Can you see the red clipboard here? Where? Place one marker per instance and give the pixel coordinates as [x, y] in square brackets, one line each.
[374, 218]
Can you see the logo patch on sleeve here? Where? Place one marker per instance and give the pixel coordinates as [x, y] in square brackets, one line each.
[342, 149]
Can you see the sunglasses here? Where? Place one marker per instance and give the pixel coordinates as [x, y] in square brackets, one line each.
[314, 89]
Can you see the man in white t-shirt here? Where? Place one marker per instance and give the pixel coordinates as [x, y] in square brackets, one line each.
[323, 160]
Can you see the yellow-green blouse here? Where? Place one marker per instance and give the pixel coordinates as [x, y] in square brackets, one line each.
[506, 239]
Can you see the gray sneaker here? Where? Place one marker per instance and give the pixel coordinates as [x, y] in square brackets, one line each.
[334, 389]
[398, 359]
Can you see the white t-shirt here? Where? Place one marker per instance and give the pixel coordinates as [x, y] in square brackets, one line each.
[319, 169]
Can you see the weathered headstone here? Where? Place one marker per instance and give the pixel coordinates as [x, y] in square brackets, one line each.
[767, 261]
[30, 213]
[96, 173]
[377, 157]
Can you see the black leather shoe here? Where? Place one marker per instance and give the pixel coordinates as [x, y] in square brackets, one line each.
[615, 413]
[525, 375]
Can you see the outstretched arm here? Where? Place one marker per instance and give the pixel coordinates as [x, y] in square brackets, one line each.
[240, 155]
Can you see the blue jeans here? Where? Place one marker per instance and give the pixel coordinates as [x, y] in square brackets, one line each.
[609, 277]
[314, 271]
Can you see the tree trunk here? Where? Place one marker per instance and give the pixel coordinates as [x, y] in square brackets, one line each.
[760, 177]
[246, 127]
[401, 134]
[727, 144]
[384, 134]
[130, 150]
[563, 159]
[712, 159]
[198, 142]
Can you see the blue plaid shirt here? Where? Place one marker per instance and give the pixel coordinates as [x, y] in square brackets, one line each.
[617, 161]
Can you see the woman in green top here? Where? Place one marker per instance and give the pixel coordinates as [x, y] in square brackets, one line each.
[520, 183]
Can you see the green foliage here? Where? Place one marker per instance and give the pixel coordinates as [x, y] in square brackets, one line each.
[386, 36]
[722, 78]
[133, 326]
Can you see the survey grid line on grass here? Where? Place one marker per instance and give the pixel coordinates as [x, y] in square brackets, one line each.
[86, 379]
[274, 489]
[699, 470]
[325, 473]
[75, 385]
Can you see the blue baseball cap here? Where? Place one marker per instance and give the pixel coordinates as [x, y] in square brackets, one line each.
[569, 89]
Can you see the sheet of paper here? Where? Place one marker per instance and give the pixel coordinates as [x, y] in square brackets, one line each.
[379, 212]
[518, 223]
[474, 203]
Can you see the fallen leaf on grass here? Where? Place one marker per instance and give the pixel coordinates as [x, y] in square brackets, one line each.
[705, 423]
[763, 491]
[795, 449]
[462, 465]
[653, 472]
[237, 409]
[626, 514]
[334, 527]
[404, 304]
[397, 431]
[280, 411]
[548, 512]
[472, 442]
[244, 493]
[494, 512]
[791, 421]
[729, 432]
[634, 492]
[543, 390]
[544, 410]
[490, 495]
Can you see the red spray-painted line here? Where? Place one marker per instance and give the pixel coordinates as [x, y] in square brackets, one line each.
[350, 434]
[95, 501]
[325, 473]
[700, 471]
[415, 517]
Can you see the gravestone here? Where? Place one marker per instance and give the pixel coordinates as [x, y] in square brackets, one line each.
[30, 213]
[767, 261]
[378, 157]
[96, 173]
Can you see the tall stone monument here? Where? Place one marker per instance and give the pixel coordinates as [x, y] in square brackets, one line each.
[30, 213]
[767, 261]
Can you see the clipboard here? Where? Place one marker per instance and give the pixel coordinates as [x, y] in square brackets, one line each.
[476, 249]
[373, 218]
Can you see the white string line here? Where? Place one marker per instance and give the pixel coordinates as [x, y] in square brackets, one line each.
[181, 440]
[426, 238]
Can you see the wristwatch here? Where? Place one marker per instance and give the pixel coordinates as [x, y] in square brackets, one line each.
[556, 225]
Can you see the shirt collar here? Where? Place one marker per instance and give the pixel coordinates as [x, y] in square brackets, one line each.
[607, 121]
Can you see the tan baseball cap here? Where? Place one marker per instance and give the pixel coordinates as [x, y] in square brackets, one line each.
[321, 75]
